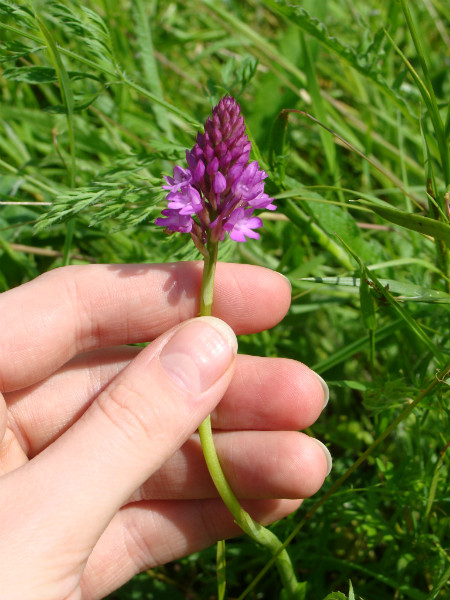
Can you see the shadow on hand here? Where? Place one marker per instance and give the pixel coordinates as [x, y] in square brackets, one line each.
[183, 278]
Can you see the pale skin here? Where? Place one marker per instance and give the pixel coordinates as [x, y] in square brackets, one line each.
[102, 474]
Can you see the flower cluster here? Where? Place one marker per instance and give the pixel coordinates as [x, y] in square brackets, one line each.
[219, 190]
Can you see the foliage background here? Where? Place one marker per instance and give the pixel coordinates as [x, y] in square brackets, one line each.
[99, 98]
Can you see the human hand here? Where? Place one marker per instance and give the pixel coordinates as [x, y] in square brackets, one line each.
[102, 475]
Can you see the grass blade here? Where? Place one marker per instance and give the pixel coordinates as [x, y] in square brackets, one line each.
[221, 570]
[302, 19]
[68, 101]
[434, 111]
[430, 102]
[424, 225]
[149, 65]
[101, 68]
[406, 291]
[319, 109]
[343, 354]
[65, 89]
[383, 291]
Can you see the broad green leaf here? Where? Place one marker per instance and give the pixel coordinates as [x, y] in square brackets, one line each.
[338, 220]
[304, 223]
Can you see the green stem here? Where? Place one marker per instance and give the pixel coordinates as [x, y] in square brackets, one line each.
[263, 536]
[209, 272]
[68, 242]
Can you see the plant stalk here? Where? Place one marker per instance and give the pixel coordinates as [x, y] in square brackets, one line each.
[265, 537]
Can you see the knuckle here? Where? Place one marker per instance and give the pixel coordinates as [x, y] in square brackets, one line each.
[129, 410]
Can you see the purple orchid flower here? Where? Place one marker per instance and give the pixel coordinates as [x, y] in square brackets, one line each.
[220, 189]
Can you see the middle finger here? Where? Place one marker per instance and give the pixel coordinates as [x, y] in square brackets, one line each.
[265, 394]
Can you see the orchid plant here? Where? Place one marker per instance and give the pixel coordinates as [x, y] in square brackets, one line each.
[217, 194]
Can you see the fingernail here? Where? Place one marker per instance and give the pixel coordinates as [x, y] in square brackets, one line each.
[326, 391]
[284, 277]
[327, 455]
[199, 353]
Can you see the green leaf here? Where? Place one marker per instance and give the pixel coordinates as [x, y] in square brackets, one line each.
[237, 75]
[443, 581]
[20, 14]
[148, 61]
[69, 103]
[298, 594]
[35, 74]
[368, 305]
[427, 92]
[434, 483]
[412, 323]
[407, 291]
[19, 259]
[278, 148]
[61, 72]
[81, 102]
[350, 384]
[320, 111]
[304, 223]
[81, 22]
[425, 225]
[106, 70]
[369, 68]
[338, 221]
[221, 570]
[31, 74]
[249, 36]
[346, 352]
[14, 49]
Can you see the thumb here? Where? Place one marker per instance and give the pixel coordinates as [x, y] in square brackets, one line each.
[74, 487]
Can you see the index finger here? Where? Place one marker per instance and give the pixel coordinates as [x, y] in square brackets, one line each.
[73, 309]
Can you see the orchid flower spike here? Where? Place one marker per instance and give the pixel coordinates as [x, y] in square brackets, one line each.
[219, 190]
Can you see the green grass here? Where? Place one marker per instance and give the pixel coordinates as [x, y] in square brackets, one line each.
[98, 99]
